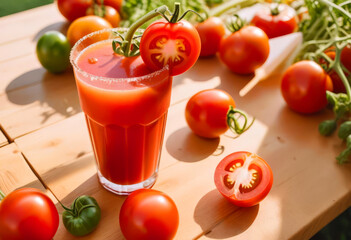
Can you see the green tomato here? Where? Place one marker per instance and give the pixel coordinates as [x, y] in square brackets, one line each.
[83, 217]
[53, 51]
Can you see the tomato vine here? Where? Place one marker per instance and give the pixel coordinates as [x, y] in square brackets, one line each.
[328, 26]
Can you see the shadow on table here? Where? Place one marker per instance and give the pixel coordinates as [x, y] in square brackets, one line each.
[238, 219]
[109, 203]
[185, 146]
[56, 94]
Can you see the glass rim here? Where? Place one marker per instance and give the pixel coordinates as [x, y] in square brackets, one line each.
[108, 79]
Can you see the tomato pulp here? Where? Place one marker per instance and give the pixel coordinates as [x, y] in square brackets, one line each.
[125, 108]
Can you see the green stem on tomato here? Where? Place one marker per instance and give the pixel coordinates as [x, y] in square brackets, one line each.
[337, 68]
[126, 44]
[233, 123]
[2, 195]
[220, 9]
[175, 14]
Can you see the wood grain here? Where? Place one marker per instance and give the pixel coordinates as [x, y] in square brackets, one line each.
[14, 171]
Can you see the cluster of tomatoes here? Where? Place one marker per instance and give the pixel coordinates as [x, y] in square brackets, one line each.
[304, 84]
[85, 16]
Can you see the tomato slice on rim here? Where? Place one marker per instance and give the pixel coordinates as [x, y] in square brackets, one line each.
[243, 178]
[174, 44]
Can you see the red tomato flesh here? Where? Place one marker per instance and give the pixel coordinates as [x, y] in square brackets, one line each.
[176, 44]
[243, 178]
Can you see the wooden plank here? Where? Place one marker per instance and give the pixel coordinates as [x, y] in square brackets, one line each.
[3, 140]
[14, 171]
[276, 136]
[31, 24]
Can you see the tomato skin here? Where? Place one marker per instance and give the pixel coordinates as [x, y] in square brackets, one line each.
[245, 50]
[53, 51]
[211, 32]
[345, 57]
[28, 214]
[149, 215]
[85, 25]
[111, 15]
[206, 112]
[167, 41]
[73, 9]
[261, 184]
[276, 25]
[304, 85]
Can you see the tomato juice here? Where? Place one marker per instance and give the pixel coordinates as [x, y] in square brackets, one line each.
[125, 106]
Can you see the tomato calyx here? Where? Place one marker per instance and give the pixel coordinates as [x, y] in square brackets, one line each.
[235, 23]
[233, 123]
[275, 9]
[83, 216]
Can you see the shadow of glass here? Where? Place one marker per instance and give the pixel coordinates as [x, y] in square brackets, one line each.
[237, 220]
[185, 146]
[57, 91]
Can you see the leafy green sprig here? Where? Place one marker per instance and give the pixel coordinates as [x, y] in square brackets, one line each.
[329, 27]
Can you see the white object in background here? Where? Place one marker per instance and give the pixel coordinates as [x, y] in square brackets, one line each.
[280, 49]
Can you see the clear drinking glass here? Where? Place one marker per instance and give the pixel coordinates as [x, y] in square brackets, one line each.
[125, 116]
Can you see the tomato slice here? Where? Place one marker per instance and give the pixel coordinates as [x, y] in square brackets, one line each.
[175, 44]
[243, 178]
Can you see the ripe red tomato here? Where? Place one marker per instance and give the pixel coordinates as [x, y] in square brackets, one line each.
[304, 85]
[345, 58]
[243, 178]
[110, 14]
[85, 25]
[206, 112]
[176, 44]
[149, 215]
[276, 22]
[73, 9]
[244, 50]
[28, 214]
[211, 32]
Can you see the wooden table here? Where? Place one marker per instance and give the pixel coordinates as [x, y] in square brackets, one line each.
[44, 134]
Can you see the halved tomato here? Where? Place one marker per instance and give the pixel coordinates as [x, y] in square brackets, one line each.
[243, 178]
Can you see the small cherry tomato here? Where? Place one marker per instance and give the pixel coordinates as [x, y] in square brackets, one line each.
[108, 13]
[149, 215]
[211, 32]
[345, 57]
[244, 50]
[28, 214]
[304, 85]
[206, 112]
[243, 178]
[53, 51]
[73, 9]
[176, 44]
[276, 20]
[85, 25]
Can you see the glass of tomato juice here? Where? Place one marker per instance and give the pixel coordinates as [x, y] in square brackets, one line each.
[125, 107]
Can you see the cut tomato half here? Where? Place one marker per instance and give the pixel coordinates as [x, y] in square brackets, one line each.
[243, 178]
[174, 44]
